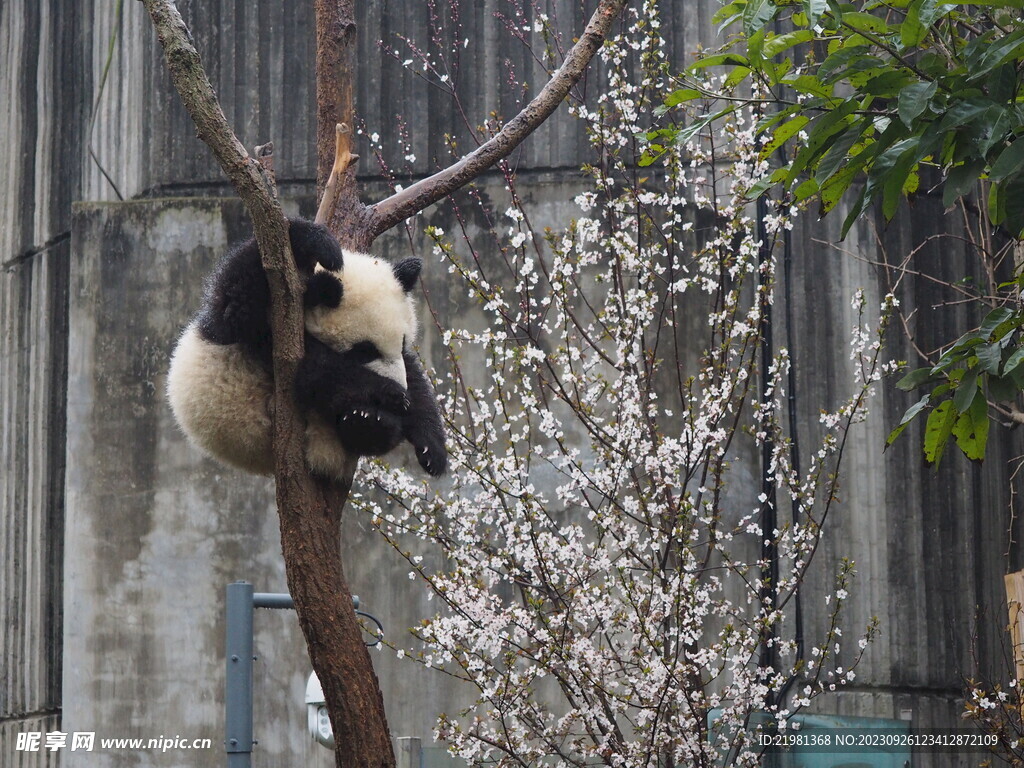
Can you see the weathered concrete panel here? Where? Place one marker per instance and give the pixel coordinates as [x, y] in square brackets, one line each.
[157, 531]
[33, 328]
[929, 547]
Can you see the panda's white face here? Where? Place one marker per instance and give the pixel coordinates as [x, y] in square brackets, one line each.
[375, 308]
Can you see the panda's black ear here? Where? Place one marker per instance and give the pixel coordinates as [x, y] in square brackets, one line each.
[323, 290]
[408, 271]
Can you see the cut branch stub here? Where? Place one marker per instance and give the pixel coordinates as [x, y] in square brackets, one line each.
[343, 159]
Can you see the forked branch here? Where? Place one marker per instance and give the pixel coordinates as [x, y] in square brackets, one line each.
[309, 511]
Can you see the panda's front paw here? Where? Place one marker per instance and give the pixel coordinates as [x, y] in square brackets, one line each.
[368, 431]
[430, 453]
[390, 396]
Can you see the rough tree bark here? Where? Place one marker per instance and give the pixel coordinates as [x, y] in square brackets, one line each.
[310, 510]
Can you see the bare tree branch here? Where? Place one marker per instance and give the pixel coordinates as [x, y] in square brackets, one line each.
[335, 76]
[401, 205]
[343, 158]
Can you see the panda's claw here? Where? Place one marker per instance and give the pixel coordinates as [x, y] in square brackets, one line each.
[432, 456]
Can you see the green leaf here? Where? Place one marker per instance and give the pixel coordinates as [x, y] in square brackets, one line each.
[993, 320]
[989, 357]
[999, 51]
[814, 9]
[937, 431]
[1011, 192]
[837, 154]
[996, 206]
[774, 118]
[1003, 389]
[757, 14]
[971, 429]
[1010, 161]
[914, 28]
[776, 45]
[893, 169]
[913, 99]
[911, 412]
[855, 211]
[965, 391]
[824, 128]
[719, 59]
[837, 184]
[737, 76]
[728, 13]
[844, 55]
[698, 125]
[810, 85]
[888, 83]
[782, 134]
[865, 21]
[804, 190]
[964, 109]
[914, 379]
[682, 95]
[960, 180]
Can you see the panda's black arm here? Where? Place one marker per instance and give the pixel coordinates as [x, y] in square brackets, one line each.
[422, 425]
[336, 383]
[313, 244]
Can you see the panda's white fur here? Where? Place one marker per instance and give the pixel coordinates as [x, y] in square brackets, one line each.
[222, 398]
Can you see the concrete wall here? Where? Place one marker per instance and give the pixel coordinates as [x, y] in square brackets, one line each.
[930, 547]
[156, 532]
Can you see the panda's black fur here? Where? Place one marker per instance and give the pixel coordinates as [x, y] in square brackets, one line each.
[221, 372]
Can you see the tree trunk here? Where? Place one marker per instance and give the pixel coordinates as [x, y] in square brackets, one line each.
[310, 510]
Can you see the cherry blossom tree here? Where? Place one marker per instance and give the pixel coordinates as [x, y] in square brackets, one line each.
[608, 582]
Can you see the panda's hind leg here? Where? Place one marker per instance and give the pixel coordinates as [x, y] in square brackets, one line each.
[235, 310]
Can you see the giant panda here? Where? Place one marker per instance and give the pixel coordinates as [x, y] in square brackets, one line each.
[361, 388]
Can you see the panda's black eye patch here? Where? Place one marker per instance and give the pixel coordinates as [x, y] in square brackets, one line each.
[363, 352]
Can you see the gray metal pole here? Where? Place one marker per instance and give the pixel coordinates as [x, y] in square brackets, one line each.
[238, 682]
[238, 650]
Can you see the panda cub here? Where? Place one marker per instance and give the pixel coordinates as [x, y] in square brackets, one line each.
[361, 388]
